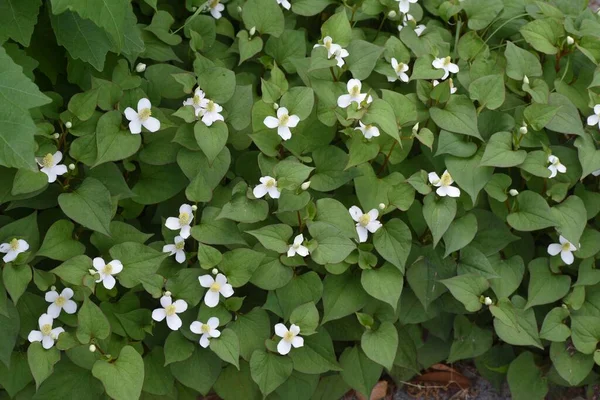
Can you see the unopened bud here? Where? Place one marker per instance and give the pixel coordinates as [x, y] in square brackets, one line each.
[487, 301]
[167, 293]
[72, 167]
[92, 348]
[392, 14]
[305, 185]
[215, 271]
[56, 135]
[381, 206]
[141, 67]
[194, 8]
[52, 287]
[570, 41]
[252, 31]
[415, 129]
[275, 106]
[526, 80]
[239, 9]
[92, 272]
[194, 207]
[523, 129]
[513, 192]
[68, 125]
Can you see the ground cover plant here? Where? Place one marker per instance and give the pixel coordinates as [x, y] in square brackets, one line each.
[290, 200]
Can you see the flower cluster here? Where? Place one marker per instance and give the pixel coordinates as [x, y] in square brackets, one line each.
[333, 50]
[181, 223]
[204, 108]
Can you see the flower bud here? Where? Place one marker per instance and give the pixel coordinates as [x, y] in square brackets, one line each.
[239, 9]
[415, 129]
[215, 271]
[68, 125]
[305, 185]
[92, 272]
[92, 348]
[141, 67]
[523, 129]
[392, 14]
[513, 192]
[526, 80]
[167, 293]
[72, 167]
[381, 206]
[194, 8]
[275, 106]
[252, 31]
[570, 41]
[194, 207]
[487, 301]
[52, 287]
[56, 135]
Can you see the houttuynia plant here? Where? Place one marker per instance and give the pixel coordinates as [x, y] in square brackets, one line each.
[289, 200]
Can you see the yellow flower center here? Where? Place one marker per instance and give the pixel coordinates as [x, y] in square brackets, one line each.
[170, 310]
[48, 161]
[327, 44]
[289, 336]
[215, 287]
[566, 247]
[108, 269]
[296, 245]
[214, 3]
[196, 100]
[46, 329]
[184, 218]
[284, 119]
[210, 107]
[180, 245]
[271, 183]
[446, 179]
[144, 114]
[355, 91]
[205, 328]
[60, 301]
[556, 162]
[447, 61]
[399, 67]
[14, 244]
[364, 219]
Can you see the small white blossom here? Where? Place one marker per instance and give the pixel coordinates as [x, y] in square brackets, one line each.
[365, 223]
[513, 192]
[182, 222]
[106, 271]
[50, 165]
[525, 80]
[68, 124]
[523, 129]
[46, 334]
[565, 248]
[212, 113]
[283, 122]
[289, 338]
[177, 248]
[570, 41]
[143, 117]
[13, 249]
[60, 302]
[285, 4]
[555, 166]
[446, 65]
[329, 45]
[305, 185]
[450, 83]
[594, 119]
[169, 311]
[400, 70]
[207, 330]
[354, 95]
[199, 102]
[92, 348]
[409, 20]
[141, 67]
[215, 286]
[415, 128]
[267, 185]
[404, 5]
[339, 55]
[368, 131]
[297, 247]
[215, 9]
[487, 301]
[443, 184]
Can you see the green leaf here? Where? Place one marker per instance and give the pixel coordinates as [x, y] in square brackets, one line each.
[232, 382]
[227, 347]
[27, 181]
[438, 213]
[571, 365]
[59, 243]
[17, 20]
[75, 270]
[470, 341]
[571, 217]
[138, 261]
[239, 265]
[300, 290]
[10, 323]
[382, 114]
[475, 262]
[460, 233]
[380, 345]
[518, 326]
[467, 289]
[69, 380]
[338, 28]
[41, 362]
[329, 169]
[317, 355]
[525, 378]
[15, 379]
[306, 316]
[89, 205]
[124, 378]
[393, 242]
[469, 174]
[554, 328]
[16, 279]
[211, 139]
[499, 152]
[521, 63]
[91, 323]
[545, 286]
[274, 237]
[566, 120]
[543, 35]
[255, 328]
[342, 295]
[363, 57]
[248, 46]
[198, 372]
[158, 379]
[384, 283]
[589, 157]
[510, 274]
[458, 116]
[332, 247]
[113, 143]
[359, 372]
[177, 348]
[299, 101]
[269, 371]
[481, 13]
[488, 91]
[533, 213]
[158, 183]
[265, 16]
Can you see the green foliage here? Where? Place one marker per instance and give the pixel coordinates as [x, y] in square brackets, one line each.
[417, 222]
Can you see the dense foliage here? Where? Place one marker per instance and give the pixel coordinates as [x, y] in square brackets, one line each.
[289, 200]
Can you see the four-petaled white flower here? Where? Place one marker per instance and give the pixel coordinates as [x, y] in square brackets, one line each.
[215, 286]
[404, 5]
[60, 302]
[182, 222]
[215, 9]
[46, 334]
[285, 4]
[400, 70]
[50, 165]
[199, 101]
[450, 82]
[445, 64]
[207, 330]
[594, 119]
[555, 166]
[211, 113]
[169, 311]
[176, 248]
[13, 249]
[409, 20]
[289, 338]
[283, 122]
[143, 117]
[565, 248]
[354, 95]
[267, 185]
[365, 223]
[368, 131]
[329, 45]
[443, 184]
[297, 247]
[106, 271]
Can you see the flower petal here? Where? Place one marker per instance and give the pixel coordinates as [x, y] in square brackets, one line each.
[51, 296]
[226, 290]
[159, 314]
[180, 306]
[98, 263]
[180, 256]
[70, 307]
[284, 347]
[297, 342]
[54, 310]
[213, 322]
[35, 336]
[362, 234]
[47, 342]
[453, 191]
[166, 301]
[554, 249]
[196, 327]
[293, 121]
[567, 257]
[211, 299]
[295, 329]
[117, 266]
[271, 122]
[284, 132]
[355, 213]
[135, 126]
[131, 114]
[280, 330]
[344, 101]
[174, 322]
[204, 342]
[259, 191]
[143, 103]
[109, 282]
[152, 124]
[206, 280]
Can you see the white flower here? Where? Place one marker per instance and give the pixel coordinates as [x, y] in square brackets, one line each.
[283, 122]
[177, 249]
[211, 113]
[13, 249]
[50, 165]
[215, 286]
[199, 102]
[565, 248]
[555, 166]
[143, 117]
[215, 9]
[339, 55]
[445, 64]
[409, 20]
[487, 301]
[170, 311]
[46, 334]
[595, 117]
[92, 348]
[285, 4]
[400, 69]
[596, 173]
[289, 338]
[354, 95]
[368, 131]
[306, 185]
[570, 41]
[106, 271]
[443, 184]
[60, 302]
[207, 330]
[297, 247]
[182, 222]
[68, 124]
[141, 67]
[450, 83]
[404, 5]
[523, 129]
[329, 45]
[513, 192]
[267, 185]
[365, 223]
